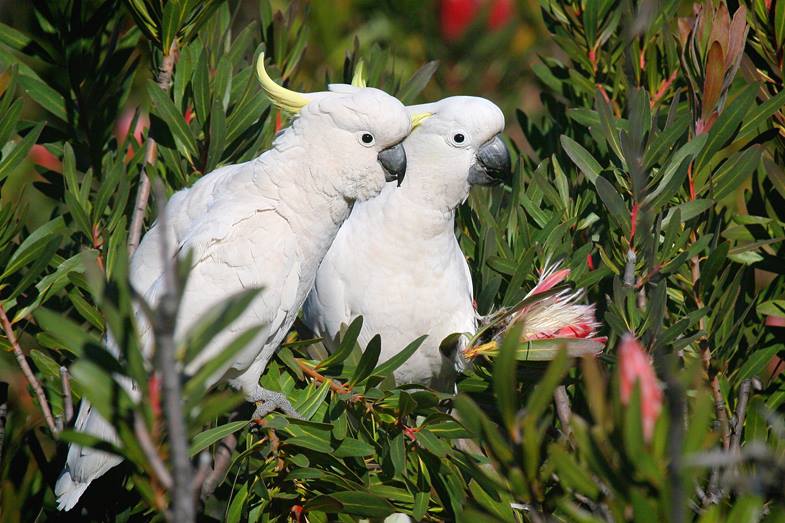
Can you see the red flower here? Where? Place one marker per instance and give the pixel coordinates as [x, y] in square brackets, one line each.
[457, 15]
[635, 367]
[41, 156]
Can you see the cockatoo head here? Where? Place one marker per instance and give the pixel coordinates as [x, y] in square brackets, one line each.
[457, 146]
[355, 133]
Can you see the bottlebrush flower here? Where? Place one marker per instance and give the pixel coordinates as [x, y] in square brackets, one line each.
[550, 320]
[457, 15]
[557, 315]
[635, 367]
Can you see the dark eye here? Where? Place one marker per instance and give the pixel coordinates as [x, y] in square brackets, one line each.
[458, 138]
[367, 138]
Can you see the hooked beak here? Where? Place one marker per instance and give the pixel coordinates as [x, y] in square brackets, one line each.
[493, 163]
[393, 160]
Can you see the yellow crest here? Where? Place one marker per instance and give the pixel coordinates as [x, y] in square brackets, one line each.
[280, 96]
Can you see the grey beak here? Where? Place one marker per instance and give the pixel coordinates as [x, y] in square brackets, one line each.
[493, 163]
[393, 160]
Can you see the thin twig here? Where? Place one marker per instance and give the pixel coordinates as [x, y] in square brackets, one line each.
[27, 371]
[164, 81]
[68, 400]
[3, 415]
[181, 494]
[148, 448]
[221, 462]
[741, 414]
[311, 372]
[563, 409]
[202, 471]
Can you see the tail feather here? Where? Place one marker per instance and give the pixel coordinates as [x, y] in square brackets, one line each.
[68, 491]
[83, 465]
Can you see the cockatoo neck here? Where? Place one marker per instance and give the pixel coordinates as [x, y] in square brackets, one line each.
[430, 191]
[416, 213]
[303, 193]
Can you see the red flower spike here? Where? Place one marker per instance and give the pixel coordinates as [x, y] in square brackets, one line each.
[41, 156]
[550, 280]
[590, 262]
[278, 122]
[456, 16]
[501, 12]
[635, 367]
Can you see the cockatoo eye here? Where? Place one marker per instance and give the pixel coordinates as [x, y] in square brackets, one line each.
[459, 139]
[367, 139]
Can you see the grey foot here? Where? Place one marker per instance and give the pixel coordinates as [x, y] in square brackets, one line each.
[270, 402]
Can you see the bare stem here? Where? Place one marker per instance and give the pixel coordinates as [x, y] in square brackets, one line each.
[741, 414]
[221, 462]
[164, 81]
[68, 400]
[164, 327]
[563, 409]
[311, 372]
[148, 448]
[27, 371]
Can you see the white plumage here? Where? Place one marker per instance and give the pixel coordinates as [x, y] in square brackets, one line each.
[396, 260]
[263, 224]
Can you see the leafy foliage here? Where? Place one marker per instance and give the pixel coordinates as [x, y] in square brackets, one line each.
[653, 171]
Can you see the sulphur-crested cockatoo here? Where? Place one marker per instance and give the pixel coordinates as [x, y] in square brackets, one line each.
[396, 260]
[263, 224]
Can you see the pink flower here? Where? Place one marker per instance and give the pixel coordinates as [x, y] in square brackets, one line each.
[635, 367]
[557, 315]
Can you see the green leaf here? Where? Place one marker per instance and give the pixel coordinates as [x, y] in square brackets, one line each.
[43, 95]
[389, 366]
[633, 425]
[730, 176]
[31, 247]
[19, 152]
[582, 158]
[346, 346]
[613, 201]
[9, 120]
[201, 88]
[13, 38]
[754, 363]
[351, 447]
[367, 361]
[547, 349]
[543, 392]
[196, 385]
[504, 380]
[217, 136]
[165, 108]
[725, 125]
[570, 473]
[760, 114]
[215, 320]
[779, 24]
[204, 439]
[235, 511]
[417, 82]
[772, 308]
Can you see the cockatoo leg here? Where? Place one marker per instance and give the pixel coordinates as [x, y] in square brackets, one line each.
[268, 401]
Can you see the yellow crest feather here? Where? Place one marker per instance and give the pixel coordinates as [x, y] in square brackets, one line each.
[419, 118]
[281, 97]
[358, 80]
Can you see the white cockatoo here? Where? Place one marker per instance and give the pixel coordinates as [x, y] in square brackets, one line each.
[263, 224]
[396, 260]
